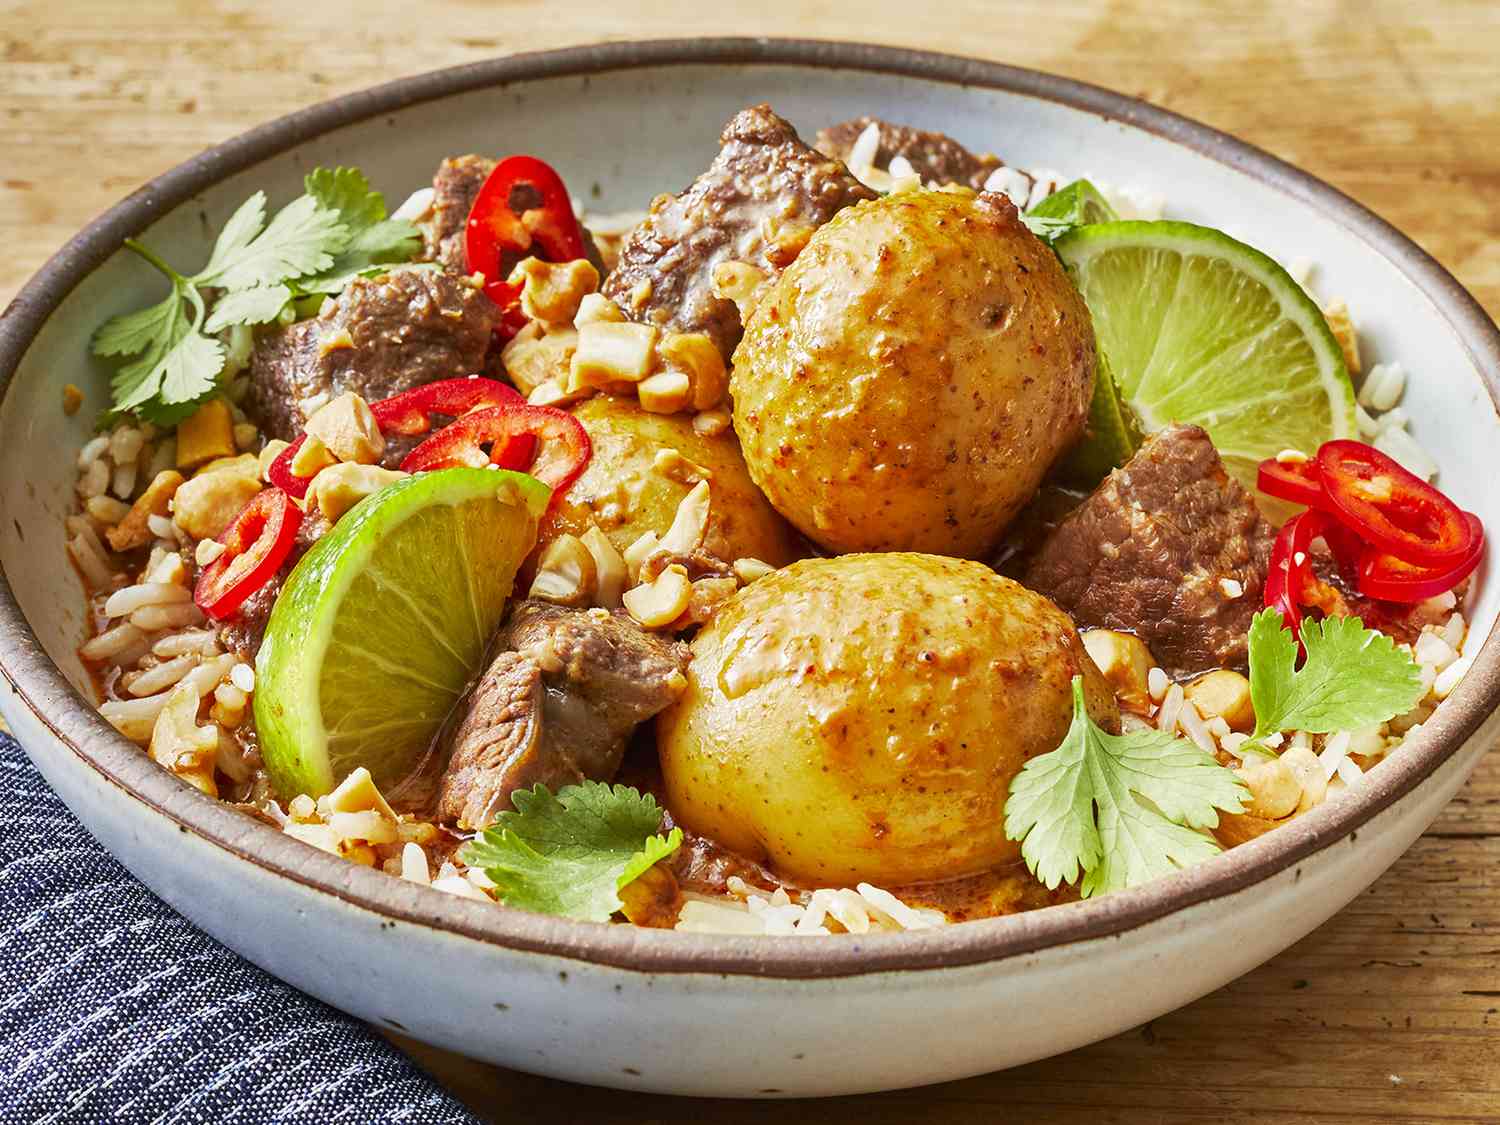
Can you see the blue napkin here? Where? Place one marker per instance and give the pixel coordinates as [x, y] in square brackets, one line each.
[115, 1008]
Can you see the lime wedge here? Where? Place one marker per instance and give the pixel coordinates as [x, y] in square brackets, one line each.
[1110, 437]
[1201, 328]
[384, 622]
[1080, 203]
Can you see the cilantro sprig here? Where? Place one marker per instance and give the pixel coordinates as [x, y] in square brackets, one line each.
[1352, 677]
[1122, 809]
[572, 852]
[334, 232]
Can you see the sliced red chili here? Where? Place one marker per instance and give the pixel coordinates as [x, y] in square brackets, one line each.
[255, 545]
[1296, 481]
[557, 440]
[1290, 572]
[1384, 576]
[522, 210]
[1396, 510]
[408, 414]
[411, 412]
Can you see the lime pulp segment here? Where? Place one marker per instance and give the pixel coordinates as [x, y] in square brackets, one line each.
[1201, 328]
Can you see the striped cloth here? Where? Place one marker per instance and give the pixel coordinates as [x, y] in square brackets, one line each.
[113, 1008]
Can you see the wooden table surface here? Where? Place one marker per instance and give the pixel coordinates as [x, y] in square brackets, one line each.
[1392, 1009]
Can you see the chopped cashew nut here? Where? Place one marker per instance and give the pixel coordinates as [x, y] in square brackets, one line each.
[741, 283]
[312, 458]
[552, 393]
[135, 529]
[207, 504]
[610, 573]
[661, 602]
[273, 449]
[565, 573]
[711, 423]
[596, 306]
[696, 356]
[348, 430]
[1125, 661]
[1341, 324]
[1308, 770]
[611, 353]
[359, 793]
[749, 570]
[551, 293]
[1274, 788]
[690, 523]
[638, 552]
[533, 360]
[179, 744]
[674, 466]
[666, 392]
[1225, 693]
[340, 487]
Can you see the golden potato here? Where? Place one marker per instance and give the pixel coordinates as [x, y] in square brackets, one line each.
[910, 378]
[625, 493]
[861, 717]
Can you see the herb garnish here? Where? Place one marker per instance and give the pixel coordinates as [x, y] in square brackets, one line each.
[571, 853]
[316, 244]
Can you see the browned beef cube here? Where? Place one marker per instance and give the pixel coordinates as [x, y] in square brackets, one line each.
[557, 706]
[454, 189]
[380, 336]
[937, 158]
[764, 194]
[1170, 548]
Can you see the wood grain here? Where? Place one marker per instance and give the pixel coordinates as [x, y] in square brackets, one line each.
[1392, 1009]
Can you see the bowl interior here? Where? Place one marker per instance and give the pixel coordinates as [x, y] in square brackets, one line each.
[621, 136]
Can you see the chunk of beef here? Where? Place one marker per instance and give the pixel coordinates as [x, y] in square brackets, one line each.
[454, 189]
[937, 158]
[556, 706]
[380, 336]
[760, 200]
[1170, 548]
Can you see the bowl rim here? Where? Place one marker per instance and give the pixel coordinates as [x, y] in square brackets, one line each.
[41, 687]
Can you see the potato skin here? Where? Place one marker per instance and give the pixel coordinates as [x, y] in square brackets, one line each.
[911, 377]
[625, 495]
[861, 717]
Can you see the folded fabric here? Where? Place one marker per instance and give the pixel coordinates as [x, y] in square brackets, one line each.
[115, 1008]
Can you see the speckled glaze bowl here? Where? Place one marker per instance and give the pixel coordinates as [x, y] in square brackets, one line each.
[679, 1013]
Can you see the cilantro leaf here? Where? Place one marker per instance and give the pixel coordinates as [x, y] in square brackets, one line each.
[313, 246]
[176, 367]
[238, 233]
[260, 304]
[571, 853]
[374, 240]
[1048, 228]
[1352, 677]
[1121, 809]
[346, 192]
[301, 239]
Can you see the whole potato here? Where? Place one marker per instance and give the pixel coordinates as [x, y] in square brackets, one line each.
[911, 377]
[861, 717]
[624, 493]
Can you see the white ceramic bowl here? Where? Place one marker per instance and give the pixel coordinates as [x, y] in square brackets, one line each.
[645, 1009]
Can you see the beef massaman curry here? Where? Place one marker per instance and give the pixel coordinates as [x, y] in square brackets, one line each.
[868, 537]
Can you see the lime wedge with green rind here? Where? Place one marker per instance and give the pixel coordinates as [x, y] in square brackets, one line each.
[383, 623]
[1110, 437]
[1201, 328]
